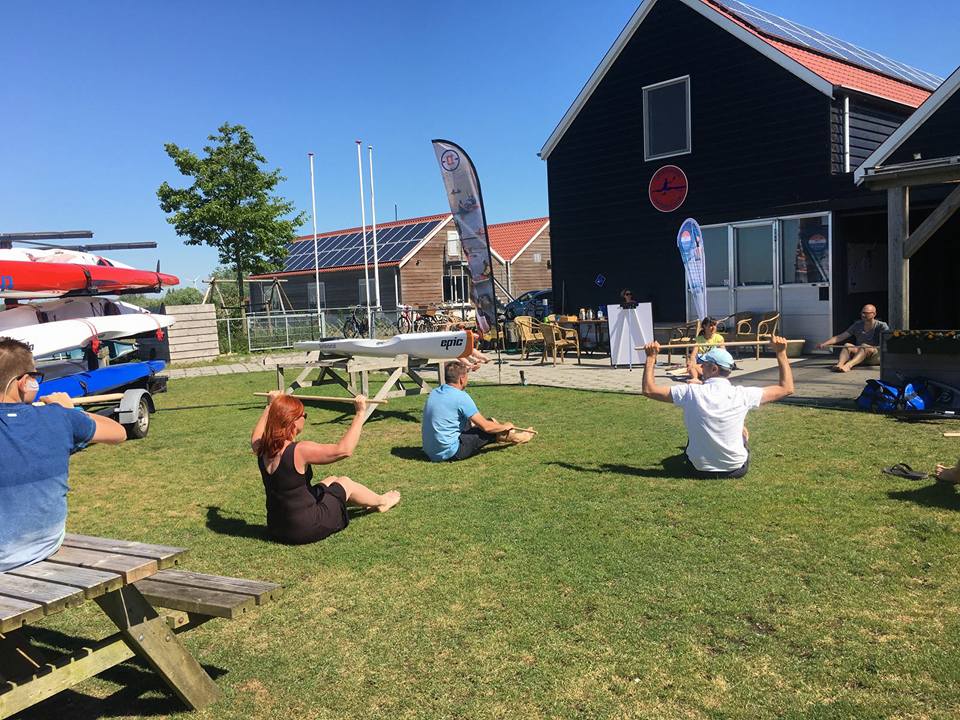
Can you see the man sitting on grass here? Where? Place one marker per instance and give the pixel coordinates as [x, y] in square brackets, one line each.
[714, 411]
[453, 428]
[35, 446]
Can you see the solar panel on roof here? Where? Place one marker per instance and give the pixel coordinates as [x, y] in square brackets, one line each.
[346, 249]
[812, 39]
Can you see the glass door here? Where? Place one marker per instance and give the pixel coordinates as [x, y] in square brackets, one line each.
[754, 267]
[805, 272]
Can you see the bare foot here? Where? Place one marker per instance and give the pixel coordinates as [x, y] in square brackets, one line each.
[389, 500]
[836, 368]
[841, 368]
[519, 436]
[948, 474]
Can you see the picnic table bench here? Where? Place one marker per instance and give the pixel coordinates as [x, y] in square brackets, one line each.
[129, 581]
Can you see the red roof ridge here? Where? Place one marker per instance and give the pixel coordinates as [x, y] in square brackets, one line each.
[517, 222]
[833, 69]
[380, 226]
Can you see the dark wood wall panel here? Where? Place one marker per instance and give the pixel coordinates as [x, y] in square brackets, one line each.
[760, 140]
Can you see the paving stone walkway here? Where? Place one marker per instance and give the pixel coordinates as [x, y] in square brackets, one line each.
[815, 384]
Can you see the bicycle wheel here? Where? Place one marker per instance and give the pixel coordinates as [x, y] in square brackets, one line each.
[404, 325]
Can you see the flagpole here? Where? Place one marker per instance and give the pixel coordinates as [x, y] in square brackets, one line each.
[363, 222]
[316, 262]
[373, 212]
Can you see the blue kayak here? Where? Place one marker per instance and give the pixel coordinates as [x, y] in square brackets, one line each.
[94, 382]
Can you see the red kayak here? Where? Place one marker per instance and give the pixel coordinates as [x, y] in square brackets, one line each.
[25, 279]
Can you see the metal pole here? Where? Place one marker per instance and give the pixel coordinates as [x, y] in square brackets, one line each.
[363, 223]
[373, 213]
[316, 262]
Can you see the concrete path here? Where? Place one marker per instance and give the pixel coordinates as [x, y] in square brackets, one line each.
[814, 382]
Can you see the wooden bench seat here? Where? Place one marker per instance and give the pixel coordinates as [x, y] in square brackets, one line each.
[205, 595]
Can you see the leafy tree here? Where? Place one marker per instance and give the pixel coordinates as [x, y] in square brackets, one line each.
[231, 205]
[182, 296]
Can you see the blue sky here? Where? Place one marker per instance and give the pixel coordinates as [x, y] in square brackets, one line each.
[91, 92]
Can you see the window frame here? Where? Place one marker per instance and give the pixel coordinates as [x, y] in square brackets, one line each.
[646, 124]
[312, 294]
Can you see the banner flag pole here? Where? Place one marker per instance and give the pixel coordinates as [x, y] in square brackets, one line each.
[462, 184]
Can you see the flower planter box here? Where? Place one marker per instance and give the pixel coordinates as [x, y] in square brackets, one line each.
[932, 354]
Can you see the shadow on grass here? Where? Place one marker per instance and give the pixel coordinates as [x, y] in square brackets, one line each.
[378, 415]
[938, 495]
[235, 526]
[141, 692]
[674, 467]
[415, 452]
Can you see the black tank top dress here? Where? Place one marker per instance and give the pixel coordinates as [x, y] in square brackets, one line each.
[298, 512]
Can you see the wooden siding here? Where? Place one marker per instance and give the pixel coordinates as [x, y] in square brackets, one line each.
[871, 123]
[938, 137]
[760, 144]
[194, 334]
[527, 274]
[421, 279]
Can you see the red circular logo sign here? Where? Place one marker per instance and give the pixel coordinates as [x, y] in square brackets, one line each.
[668, 188]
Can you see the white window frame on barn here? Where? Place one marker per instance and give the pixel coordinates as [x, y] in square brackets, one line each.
[362, 291]
[649, 106]
[312, 295]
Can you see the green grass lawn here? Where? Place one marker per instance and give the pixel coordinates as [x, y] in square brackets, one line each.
[574, 577]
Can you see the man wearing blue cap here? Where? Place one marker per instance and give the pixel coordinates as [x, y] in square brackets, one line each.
[714, 411]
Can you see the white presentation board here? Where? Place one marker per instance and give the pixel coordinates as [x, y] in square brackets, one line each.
[629, 328]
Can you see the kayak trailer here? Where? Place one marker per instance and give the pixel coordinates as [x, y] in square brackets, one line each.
[126, 392]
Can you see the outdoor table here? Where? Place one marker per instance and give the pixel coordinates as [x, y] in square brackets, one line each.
[102, 570]
[594, 334]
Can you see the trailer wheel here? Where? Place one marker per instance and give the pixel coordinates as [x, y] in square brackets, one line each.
[139, 427]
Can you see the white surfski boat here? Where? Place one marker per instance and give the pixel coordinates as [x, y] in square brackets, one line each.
[47, 338]
[437, 345]
[35, 313]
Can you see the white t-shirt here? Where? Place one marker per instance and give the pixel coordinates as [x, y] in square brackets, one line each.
[714, 414]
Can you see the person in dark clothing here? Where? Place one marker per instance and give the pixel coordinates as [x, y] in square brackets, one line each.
[297, 511]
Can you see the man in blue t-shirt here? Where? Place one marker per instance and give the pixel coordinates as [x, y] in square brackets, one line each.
[453, 428]
[35, 447]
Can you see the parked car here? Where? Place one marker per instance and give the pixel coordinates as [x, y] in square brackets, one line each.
[536, 303]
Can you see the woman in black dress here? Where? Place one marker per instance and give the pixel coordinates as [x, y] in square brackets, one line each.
[298, 512]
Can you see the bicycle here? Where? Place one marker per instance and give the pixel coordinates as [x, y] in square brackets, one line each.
[406, 319]
[355, 326]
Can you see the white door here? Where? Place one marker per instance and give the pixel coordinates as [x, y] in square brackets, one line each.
[754, 267]
[805, 271]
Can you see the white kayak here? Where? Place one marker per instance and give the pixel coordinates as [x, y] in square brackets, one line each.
[47, 338]
[438, 345]
[35, 313]
[58, 255]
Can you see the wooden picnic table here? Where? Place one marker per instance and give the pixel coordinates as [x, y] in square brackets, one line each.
[126, 579]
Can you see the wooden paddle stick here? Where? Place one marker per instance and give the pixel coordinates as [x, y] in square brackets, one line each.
[324, 398]
[726, 344]
[951, 434]
[89, 399]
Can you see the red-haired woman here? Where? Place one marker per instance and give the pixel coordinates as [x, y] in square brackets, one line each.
[298, 512]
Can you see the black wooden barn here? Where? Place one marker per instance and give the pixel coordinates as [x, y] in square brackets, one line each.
[751, 125]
